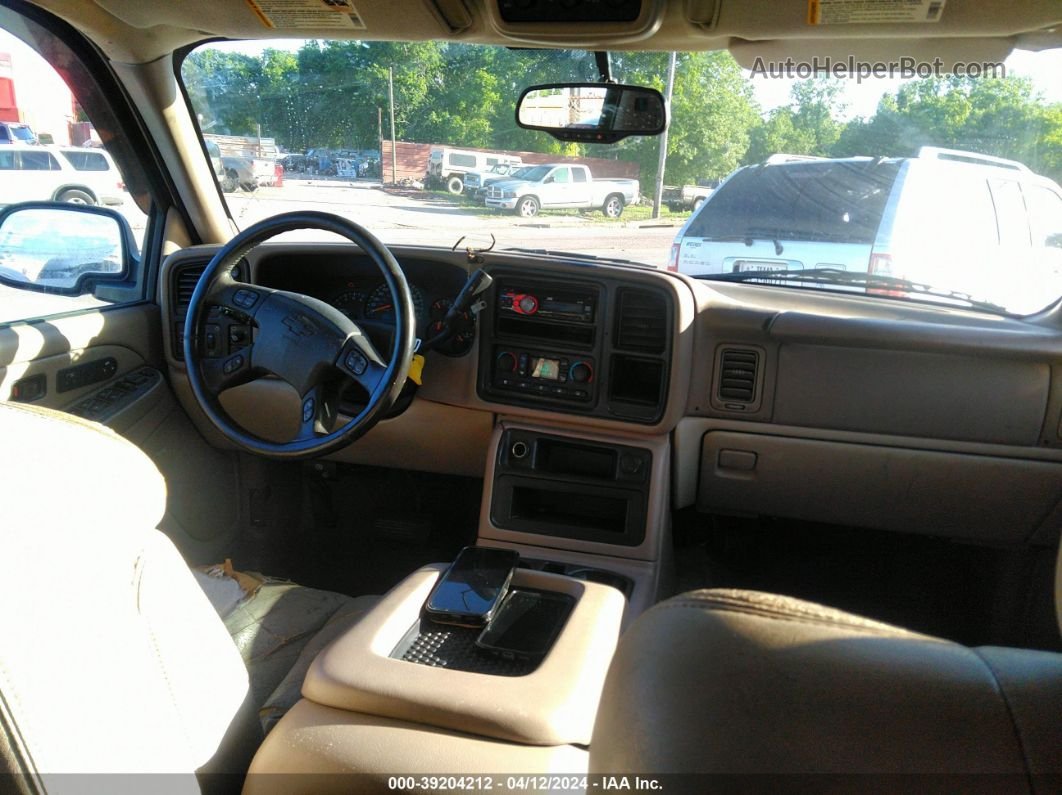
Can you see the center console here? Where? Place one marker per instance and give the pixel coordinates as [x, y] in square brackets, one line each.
[371, 706]
[600, 349]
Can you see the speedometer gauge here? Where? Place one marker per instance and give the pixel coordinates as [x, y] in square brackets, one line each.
[351, 303]
[381, 307]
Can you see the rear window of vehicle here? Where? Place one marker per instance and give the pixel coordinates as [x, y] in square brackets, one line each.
[7, 161]
[466, 161]
[835, 201]
[87, 161]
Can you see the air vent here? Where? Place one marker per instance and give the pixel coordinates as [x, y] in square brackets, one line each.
[641, 322]
[184, 281]
[737, 375]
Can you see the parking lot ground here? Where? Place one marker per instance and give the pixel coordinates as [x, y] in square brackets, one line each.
[406, 216]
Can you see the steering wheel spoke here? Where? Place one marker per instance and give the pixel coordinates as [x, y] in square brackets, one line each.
[226, 372]
[319, 412]
[235, 296]
[360, 360]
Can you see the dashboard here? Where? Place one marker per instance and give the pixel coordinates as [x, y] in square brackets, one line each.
[354, 286]
[803, 404]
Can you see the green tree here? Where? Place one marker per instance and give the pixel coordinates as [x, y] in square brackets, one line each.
[808, 125]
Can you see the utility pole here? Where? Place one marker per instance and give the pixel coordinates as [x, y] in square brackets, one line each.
[662, 162]
[391, 100]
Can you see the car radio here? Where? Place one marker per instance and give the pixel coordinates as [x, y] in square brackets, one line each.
[564, 306]
[537, 373]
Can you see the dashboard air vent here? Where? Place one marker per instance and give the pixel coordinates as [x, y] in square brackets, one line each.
[184, 281]
[737, 375]
[641, 321]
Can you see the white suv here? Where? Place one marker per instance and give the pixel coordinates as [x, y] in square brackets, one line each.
[59, 173]
[966, 223]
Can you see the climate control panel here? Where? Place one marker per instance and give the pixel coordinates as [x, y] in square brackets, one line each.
[542, 374]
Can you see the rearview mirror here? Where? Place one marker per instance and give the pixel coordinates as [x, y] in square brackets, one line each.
[64, 249]
[592, 112]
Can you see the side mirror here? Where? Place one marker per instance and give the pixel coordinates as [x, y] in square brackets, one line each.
[63, 249]
[592, 112]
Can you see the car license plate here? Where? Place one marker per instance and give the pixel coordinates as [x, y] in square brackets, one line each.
[752, 265]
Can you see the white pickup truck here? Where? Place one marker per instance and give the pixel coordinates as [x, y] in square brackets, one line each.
[562, 185]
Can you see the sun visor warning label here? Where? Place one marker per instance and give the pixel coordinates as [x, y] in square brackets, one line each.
[307, 14]
[849, 12]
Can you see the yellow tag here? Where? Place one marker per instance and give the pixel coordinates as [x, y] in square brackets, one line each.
[416, 369]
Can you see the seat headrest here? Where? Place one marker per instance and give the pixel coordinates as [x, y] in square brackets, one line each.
[61, 475]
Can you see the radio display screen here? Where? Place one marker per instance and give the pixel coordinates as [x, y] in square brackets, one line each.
[546, 368]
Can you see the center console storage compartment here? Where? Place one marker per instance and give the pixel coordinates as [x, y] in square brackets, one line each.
[368, 670]
[560, 486]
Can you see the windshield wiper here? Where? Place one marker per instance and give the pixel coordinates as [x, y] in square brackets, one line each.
[552, 252]
[871, 281]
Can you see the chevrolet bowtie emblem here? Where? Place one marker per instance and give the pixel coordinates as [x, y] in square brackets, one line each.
[300, 326]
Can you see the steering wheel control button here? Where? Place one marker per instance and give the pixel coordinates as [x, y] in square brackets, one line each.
[308, 409]
[245, 299]
[356, 363]
[233, 364]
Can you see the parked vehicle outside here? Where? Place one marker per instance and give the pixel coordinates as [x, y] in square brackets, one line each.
[13, 132]
[477, 182]
[249, 173]
[688, 197]
[943, 220]
[447, 168]
[562, 185]
[77, 175]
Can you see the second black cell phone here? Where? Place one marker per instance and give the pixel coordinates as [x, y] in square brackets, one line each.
[526, 624]
[470, 590]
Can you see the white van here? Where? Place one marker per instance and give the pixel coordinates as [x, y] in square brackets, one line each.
[447, 167]
[59, 173]
[953, 221]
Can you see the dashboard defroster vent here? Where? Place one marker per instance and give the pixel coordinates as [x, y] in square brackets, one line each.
[641, 321]
[736, 382]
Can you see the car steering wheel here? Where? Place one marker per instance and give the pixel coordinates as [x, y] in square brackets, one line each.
[304, 341]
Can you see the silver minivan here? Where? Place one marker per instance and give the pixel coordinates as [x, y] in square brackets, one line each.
[946, 222]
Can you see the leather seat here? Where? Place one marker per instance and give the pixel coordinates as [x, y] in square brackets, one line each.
[758, 692]
[113, 660]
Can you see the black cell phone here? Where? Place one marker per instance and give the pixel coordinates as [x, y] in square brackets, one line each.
[470, 590]
[526, 624]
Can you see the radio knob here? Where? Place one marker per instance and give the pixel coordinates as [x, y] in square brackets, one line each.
[506, 362]
[527, 304]
[581, 372]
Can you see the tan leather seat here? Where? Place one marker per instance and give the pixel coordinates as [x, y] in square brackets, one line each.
[112, 660]
[757, 692]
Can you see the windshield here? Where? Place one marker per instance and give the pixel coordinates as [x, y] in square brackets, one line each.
[945, 181]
